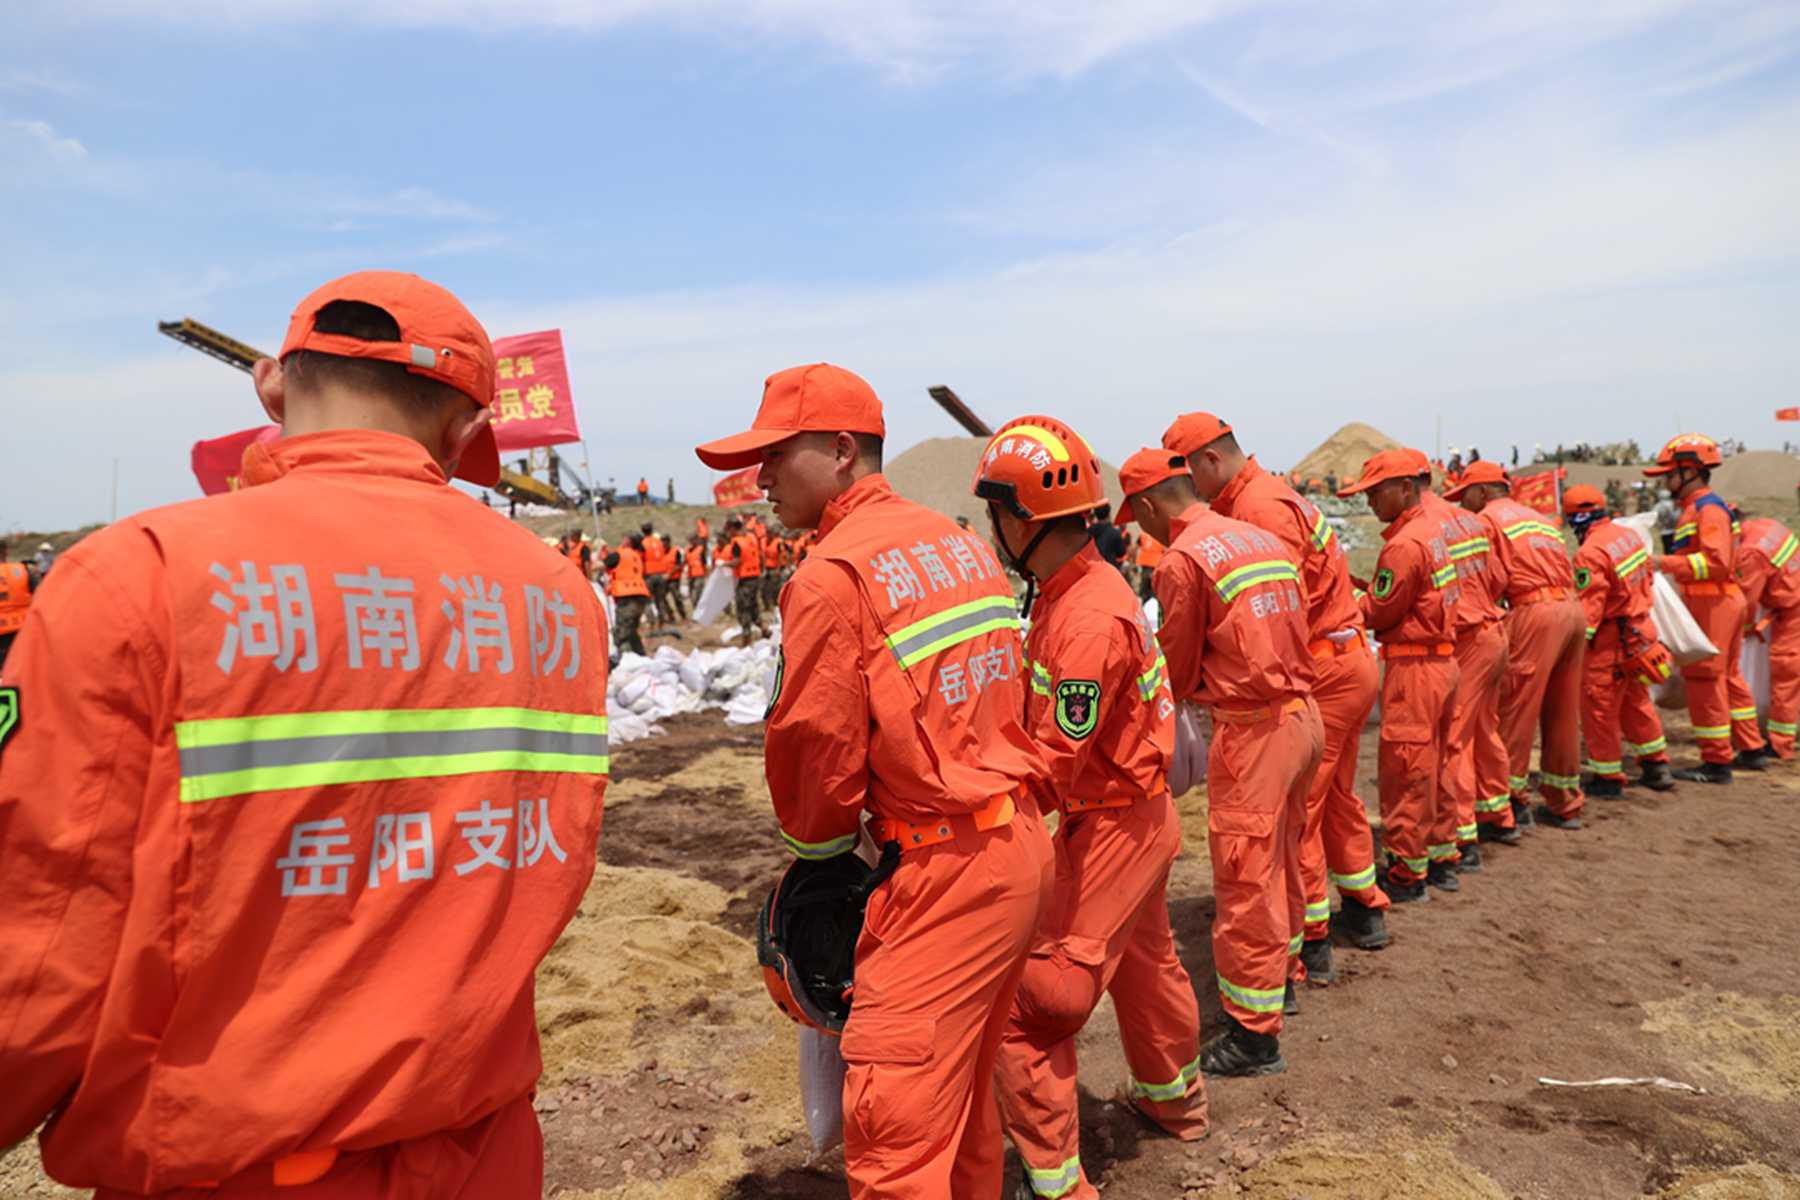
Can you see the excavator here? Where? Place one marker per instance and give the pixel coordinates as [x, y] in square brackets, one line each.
[517, 482]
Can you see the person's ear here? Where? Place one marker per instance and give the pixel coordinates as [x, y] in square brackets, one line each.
[460, 433]
[270, 380]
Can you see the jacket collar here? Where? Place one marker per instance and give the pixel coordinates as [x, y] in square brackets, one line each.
[870, 489]
[1085, 560]
[1228, 495]
[341, 451]
[1189, 515]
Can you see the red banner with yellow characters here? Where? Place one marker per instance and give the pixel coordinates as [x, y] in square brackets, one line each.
[1541, 491]
[532, 403]
[219, 462]
[737, 488]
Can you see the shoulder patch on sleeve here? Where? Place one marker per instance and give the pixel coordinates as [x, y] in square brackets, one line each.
[1384, 583]
[1583, 577]
[10, 714]
[1077, 707]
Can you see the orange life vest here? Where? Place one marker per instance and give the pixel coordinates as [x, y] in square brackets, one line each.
[749, 555]
[628, 576]
[15, 596]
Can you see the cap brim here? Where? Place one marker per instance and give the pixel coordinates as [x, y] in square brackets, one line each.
[1123, 517]
[1453, 492]
[1352, 489]
[741, 450]
[480, 463]
[1653, 471]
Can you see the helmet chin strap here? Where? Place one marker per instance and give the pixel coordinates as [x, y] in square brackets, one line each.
[1582, 522]
[1018, 561]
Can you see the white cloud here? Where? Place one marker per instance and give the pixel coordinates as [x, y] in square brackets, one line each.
[42, 80]
[60, 148]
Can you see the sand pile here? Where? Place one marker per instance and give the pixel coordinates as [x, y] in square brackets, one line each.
[1750, 1042]
[1344, 452]
[938, 471]
[1758, 474]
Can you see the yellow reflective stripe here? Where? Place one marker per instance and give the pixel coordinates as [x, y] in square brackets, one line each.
[1559, 781]
[818, 850]
[1780, 557]
[1249, 575]
[1322, 533]
[1592, 630]
[1686, 531]
[1467, 833]
[1294, 944]
[1442, 850]
[1443, 577]
[1469, 548]
[1318, 910]
[1040, 679]
[1494, 804]
[1712, 733]
[1519, 529]
[1744, 714]
[1175, 1089]
[1786, 727]
[1657, 746]
[1044, 437]
[1360, 881]
[1606, 768]
[1152, 679]
[938, 632]
[1519, 782]
[1698, 563]
[1261, 1000]
[1056, 1181]
[1415, 865]
[1631, 562]
[221, 731]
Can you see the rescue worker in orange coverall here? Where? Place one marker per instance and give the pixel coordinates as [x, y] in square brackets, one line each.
[1235, 635]
[1100, 708]
[900, 696]
[1337, 836]
[1545, 633]
[275, 894]
[1702, 560]
[1409, 605]
[1476, 762]
[1769, 573]
[1613, 578]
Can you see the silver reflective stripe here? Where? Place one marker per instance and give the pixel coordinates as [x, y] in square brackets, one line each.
[922, 638]
[290, 752]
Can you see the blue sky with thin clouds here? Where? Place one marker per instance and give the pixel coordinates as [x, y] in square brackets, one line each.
[1530, 221]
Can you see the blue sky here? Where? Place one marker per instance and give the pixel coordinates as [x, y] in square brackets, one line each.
[1532, 221]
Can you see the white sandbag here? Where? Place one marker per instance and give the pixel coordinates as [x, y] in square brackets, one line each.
[717, 593]
[1675, 625]
[822, 1090]
[627, 727]
[1193, 738]
[1755, 661]
[747, 705]
[632, 687]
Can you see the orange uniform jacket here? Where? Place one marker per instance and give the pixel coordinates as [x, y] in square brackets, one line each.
[1104, 716]
[1613, 578]
[1530, 551]
[1248, 647]
[1263, 500]
[1415, 588]
[628, 576]
[1705, 543]
[1768, 568]
[746, 553]
[271, 884]
[902, 680]
[15, 596]
[1480, 572]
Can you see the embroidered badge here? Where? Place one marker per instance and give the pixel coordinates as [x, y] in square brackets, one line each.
[1077, 707]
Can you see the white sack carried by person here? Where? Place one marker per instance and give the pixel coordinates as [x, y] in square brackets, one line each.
[1675, 625]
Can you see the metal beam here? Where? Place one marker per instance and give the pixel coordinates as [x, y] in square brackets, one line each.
[211, 342]
[959, 412]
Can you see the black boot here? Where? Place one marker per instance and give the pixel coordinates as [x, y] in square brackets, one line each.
[1362, 926]
[1605, 787]
[1471, 858]
[1442, 875]
[1400, 891]
[1753, 760]
[1706, 772]
[1315, 956]
[1290, 1000]
[1656, 776]
[1521, 814]
[1506, 835]
[1237, 1051]
[1546, 817]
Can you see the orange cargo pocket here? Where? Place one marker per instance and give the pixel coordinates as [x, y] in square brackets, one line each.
[889, 1099]
[1083, 951]
[1242, 842]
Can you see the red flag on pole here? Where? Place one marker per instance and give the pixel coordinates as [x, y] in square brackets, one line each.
[532, 402]
[737, 488]
[1541, 491]
[1787, 414]
[219, 462]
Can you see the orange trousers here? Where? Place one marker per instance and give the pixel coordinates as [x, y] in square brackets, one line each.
[1543, 692]
[1783, 633]
[1415, 730]
[1617, 715]
[1337, 836]
[1257, 780]
[1105, 931]
[942, 950]
[499, 1156]
[1719, 702]
[1476, 760]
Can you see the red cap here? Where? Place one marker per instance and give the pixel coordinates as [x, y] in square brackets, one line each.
[1479, 471]
[1583, 497]
[1143, 470]
[439, 339]
[1192, 431]
[1389, 464]
[817, 398]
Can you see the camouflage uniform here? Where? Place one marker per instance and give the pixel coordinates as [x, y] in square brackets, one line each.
[628, 611]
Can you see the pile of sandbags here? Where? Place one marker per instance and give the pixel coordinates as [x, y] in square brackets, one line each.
[642, 691]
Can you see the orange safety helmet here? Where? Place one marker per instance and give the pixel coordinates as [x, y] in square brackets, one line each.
[1686, 450]
[1583, 498]
[1038, 468]
[807, 931]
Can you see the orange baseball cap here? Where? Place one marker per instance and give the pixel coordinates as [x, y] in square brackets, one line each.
[1145, 469]
[439, 339]
[1583, 498]
[1480, 471]
[1389, 464]
[816, 398]
[1192, 431]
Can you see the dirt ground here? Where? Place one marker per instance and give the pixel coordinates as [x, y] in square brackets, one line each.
[1658, 940]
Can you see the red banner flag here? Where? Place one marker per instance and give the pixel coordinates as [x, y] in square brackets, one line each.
[737, 488]
[532, 402]
[1541, 491]
[219, 462]
[1787, 414]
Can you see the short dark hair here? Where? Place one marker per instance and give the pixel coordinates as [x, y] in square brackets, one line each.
[1175, 487]
[868, 448]
[312, 369]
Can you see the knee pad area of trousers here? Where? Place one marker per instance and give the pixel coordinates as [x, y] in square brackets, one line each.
[1057, 996]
